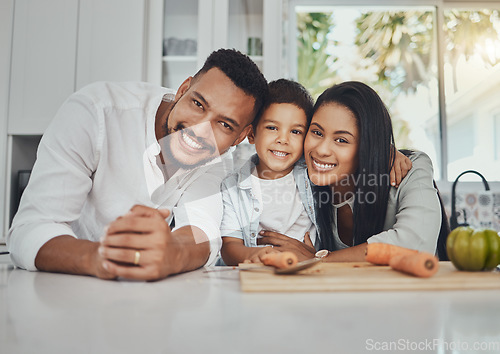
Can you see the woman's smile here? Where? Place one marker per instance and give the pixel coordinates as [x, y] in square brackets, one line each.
[322, 166]
[331, 145]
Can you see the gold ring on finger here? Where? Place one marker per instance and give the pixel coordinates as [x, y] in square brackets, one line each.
[137, 257]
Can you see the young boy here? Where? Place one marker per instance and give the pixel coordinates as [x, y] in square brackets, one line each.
[271, 191]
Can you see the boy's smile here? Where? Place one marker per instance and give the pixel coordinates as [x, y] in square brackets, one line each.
[280, 154]
[278, 139]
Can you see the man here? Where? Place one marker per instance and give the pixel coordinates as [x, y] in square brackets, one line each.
[112, 146]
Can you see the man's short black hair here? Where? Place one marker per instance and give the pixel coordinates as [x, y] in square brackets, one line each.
[288, 91]
[242, 71]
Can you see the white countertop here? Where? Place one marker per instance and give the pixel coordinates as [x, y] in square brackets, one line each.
[205, 312]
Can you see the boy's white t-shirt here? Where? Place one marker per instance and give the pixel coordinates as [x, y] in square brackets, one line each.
[282, 208]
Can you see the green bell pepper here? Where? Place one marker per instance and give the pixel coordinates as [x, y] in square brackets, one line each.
[473, 250]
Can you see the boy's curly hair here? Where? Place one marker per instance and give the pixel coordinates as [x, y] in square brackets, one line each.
[288, 91]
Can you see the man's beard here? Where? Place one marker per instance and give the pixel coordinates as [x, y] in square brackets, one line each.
[169, 156]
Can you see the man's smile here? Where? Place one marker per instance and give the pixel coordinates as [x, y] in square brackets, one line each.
[190, 142]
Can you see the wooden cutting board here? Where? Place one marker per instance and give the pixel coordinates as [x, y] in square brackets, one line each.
[361, 276]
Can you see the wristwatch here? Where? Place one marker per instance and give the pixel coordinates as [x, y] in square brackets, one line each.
[321, 254]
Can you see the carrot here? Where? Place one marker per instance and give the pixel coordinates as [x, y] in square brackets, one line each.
[381, 253]
[421, 264]
[279, 259]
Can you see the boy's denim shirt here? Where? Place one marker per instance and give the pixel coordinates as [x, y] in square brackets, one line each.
[242, 209]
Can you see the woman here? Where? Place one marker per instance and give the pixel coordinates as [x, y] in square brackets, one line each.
[348, 155]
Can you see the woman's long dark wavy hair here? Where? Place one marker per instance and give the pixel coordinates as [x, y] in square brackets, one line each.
[375, 160]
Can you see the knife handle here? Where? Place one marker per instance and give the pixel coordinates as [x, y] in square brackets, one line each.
[279, 260]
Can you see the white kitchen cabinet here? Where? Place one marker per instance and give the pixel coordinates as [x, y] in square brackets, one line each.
[112, 41]
[43, 62]
[60, 46]
[245, 24]
[261, 21]
[190, 34]
[215, 24]
[181, 33]
[57, 47]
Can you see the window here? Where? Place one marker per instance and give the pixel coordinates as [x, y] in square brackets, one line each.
[472, 86]
[458, 147]
[439, 85]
